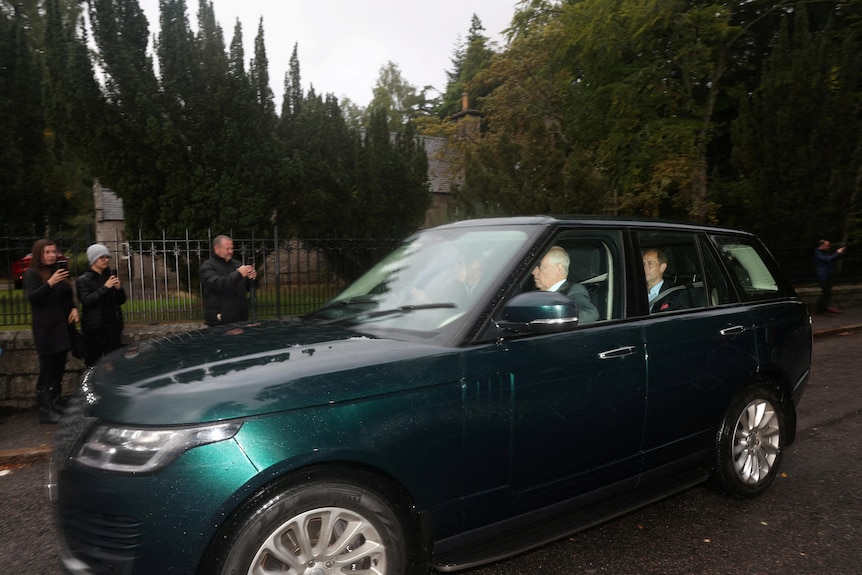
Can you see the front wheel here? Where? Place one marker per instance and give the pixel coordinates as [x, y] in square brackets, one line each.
[318, 529]
[749, 441]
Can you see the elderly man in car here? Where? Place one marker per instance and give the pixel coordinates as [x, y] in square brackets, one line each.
[552, 274]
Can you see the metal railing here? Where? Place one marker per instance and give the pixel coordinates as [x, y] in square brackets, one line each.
[296, 276]
[160, 275]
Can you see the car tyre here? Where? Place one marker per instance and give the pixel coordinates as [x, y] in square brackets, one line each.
[748, 449]
[327, 527]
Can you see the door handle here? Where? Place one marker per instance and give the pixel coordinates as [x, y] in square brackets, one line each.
[618, 352]
[737, 329]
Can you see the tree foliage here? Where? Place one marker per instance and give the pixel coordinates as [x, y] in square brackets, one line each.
[40, 178]
[745, 114]
[198, 146]
[469, 58]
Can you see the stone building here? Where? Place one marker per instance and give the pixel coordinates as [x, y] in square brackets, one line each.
[445, 166]
[110, 221]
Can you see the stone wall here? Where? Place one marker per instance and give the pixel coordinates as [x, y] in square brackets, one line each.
[19, 364]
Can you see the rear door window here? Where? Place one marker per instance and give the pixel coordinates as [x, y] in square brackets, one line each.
[715, 288]
[673, 271]
[751, 268]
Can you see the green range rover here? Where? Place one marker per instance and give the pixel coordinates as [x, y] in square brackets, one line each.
[489, 386]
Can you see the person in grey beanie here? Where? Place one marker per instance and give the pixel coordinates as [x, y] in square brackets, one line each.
[101, 294]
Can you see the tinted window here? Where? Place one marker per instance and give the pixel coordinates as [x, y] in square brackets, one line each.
[750, 267]
[595, 266]
[673, 271]
[715, 287]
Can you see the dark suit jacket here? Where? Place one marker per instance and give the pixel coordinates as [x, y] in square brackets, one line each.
[587, 312]
[671, 297]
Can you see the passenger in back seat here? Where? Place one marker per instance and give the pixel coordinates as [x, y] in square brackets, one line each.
[662, 295]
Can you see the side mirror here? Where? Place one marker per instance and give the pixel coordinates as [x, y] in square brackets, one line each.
[539, 312]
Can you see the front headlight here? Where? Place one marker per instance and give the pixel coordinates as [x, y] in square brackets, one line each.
[144, 450]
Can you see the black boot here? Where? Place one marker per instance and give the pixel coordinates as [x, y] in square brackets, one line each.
[47, 414]
[57, 399]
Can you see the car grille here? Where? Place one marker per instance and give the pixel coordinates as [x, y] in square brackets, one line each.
[101, 531]
[106, 543]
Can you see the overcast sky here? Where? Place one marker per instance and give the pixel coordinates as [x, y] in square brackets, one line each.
[344, 43]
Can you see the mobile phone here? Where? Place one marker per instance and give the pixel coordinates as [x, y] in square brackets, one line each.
[114, 272]
[62, 265]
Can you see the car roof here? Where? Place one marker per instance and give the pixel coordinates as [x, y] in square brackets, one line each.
[597, 221]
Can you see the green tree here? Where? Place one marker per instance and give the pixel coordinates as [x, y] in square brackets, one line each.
[527, 159]
[395, 95]
[634, 98]
[470, 57]
[40, 178]
[392, 191]
[797, 173]
[343, 181]
[128, 130]
[193, 149]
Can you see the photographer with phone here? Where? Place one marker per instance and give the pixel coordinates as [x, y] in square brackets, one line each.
[49, 291]
[101, 294]
[226, 284]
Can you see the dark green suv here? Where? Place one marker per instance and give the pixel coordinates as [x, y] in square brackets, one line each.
[489, 386]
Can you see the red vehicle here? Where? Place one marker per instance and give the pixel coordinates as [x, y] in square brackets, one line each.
[19, 268]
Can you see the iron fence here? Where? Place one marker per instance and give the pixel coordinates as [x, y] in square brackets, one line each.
[160, 275]
[296, 276]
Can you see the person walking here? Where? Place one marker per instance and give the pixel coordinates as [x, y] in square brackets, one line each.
[226, 283]
[49, 291]
[824, 270]
[101, 294]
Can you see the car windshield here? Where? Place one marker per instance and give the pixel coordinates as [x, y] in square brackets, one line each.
[431, 283]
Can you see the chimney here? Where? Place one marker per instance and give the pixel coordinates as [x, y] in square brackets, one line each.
[465, 102]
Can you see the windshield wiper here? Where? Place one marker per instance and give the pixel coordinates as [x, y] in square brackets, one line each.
[391, 311]
[363, 299]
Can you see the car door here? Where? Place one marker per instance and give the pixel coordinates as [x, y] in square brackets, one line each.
[781, 320]
[697, 357]
[554, 416]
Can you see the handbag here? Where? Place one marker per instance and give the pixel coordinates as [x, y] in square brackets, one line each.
[76, 341]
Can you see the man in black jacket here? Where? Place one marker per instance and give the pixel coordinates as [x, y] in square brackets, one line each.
[101, 294]
[226, 283]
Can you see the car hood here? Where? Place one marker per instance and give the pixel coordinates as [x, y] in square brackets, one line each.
[247, 370]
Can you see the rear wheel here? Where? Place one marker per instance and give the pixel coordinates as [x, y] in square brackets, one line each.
[749, 442]
[319, 529]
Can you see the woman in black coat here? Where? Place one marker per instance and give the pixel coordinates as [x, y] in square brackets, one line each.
[49, 291]
[101, 294]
